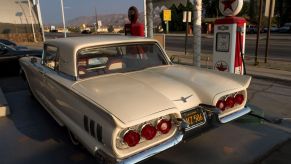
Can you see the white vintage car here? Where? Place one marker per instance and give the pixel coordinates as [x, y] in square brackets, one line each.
[124, 100]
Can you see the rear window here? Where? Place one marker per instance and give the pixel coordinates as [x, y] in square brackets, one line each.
[95, 61]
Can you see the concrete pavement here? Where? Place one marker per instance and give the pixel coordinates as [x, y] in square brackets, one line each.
[30, 135]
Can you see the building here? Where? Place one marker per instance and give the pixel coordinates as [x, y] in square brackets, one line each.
[19, 20]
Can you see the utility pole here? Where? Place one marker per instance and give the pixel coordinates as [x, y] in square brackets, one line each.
[96, 22]
[145, 18]
[187, 26]
[63, 16]
[197, 15]
[271, 5]
[37, 3]
[258, 32]
[31, 21]
[149, 19]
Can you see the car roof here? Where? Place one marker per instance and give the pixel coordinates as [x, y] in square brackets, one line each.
[81, 42]
[68, 47]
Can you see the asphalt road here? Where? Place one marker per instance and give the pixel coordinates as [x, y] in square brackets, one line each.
[30, 135]
[280, 44]
[280, 48]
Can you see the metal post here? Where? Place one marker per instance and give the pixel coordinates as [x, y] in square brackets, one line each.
[268, 34]
[40, 19]
[258, 32]
[31, 21]
[63, 16]
[197, 13]
[96, 22]
[186, 34]
[145, 18]
[167, 27]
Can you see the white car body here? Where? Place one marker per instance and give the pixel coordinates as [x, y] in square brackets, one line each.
[100, 110]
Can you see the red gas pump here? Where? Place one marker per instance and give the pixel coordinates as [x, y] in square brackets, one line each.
[229, 38]
[134, 28]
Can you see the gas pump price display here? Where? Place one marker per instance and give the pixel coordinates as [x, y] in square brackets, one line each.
[222, 41]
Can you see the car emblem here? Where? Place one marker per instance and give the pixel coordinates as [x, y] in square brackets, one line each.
[184, 99]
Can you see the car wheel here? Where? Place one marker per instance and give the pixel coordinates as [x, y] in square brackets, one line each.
[73, 138]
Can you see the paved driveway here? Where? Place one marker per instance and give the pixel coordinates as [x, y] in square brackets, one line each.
[30, 135]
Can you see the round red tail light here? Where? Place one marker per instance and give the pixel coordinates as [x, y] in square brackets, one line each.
[148, 132]
[131, 138]
[221, 105]
[164, 126]
[239, 99]
[230, 102]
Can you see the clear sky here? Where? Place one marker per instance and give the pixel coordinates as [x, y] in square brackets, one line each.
[51, 9]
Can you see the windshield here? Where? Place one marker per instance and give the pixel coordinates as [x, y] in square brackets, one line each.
[118, 59]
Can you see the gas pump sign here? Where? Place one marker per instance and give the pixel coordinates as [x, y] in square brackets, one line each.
[222, 41]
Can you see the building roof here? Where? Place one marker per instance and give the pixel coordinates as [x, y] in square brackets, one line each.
[16, 12]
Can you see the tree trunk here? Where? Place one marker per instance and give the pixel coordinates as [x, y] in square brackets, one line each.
[197, 32]
[149, 18]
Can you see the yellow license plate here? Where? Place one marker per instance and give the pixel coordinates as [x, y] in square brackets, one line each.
[194, 118]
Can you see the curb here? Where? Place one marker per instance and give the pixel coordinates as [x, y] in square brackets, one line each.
[4, 108]
[268, 78]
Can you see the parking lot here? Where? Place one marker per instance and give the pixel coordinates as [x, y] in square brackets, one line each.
[30, 135]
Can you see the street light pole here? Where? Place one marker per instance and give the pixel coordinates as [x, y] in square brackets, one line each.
[145, 17]
[63, 16]
[40, 18]
[258, 32]
[31, 21]
[271, 5]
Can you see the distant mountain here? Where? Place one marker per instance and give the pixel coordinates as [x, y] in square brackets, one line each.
[111, 19]
[121, 19]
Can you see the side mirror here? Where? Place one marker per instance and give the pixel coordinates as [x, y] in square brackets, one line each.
[33, 60]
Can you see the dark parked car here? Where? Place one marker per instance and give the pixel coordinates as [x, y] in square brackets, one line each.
[12, 44]
[251, 29]
[9, 56]
[285, 29]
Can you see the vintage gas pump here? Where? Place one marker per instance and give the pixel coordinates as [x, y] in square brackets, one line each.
[229, 38]
[134, 28]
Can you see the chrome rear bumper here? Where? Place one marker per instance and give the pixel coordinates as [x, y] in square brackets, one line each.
[153, 151]
[178, 138]
[234, 115]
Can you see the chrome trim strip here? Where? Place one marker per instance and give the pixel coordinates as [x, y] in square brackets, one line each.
[153, 151]
[234, 115]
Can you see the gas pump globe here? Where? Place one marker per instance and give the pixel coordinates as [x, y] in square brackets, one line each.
[229, 38]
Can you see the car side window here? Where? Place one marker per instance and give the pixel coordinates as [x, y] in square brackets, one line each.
[50, 59]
